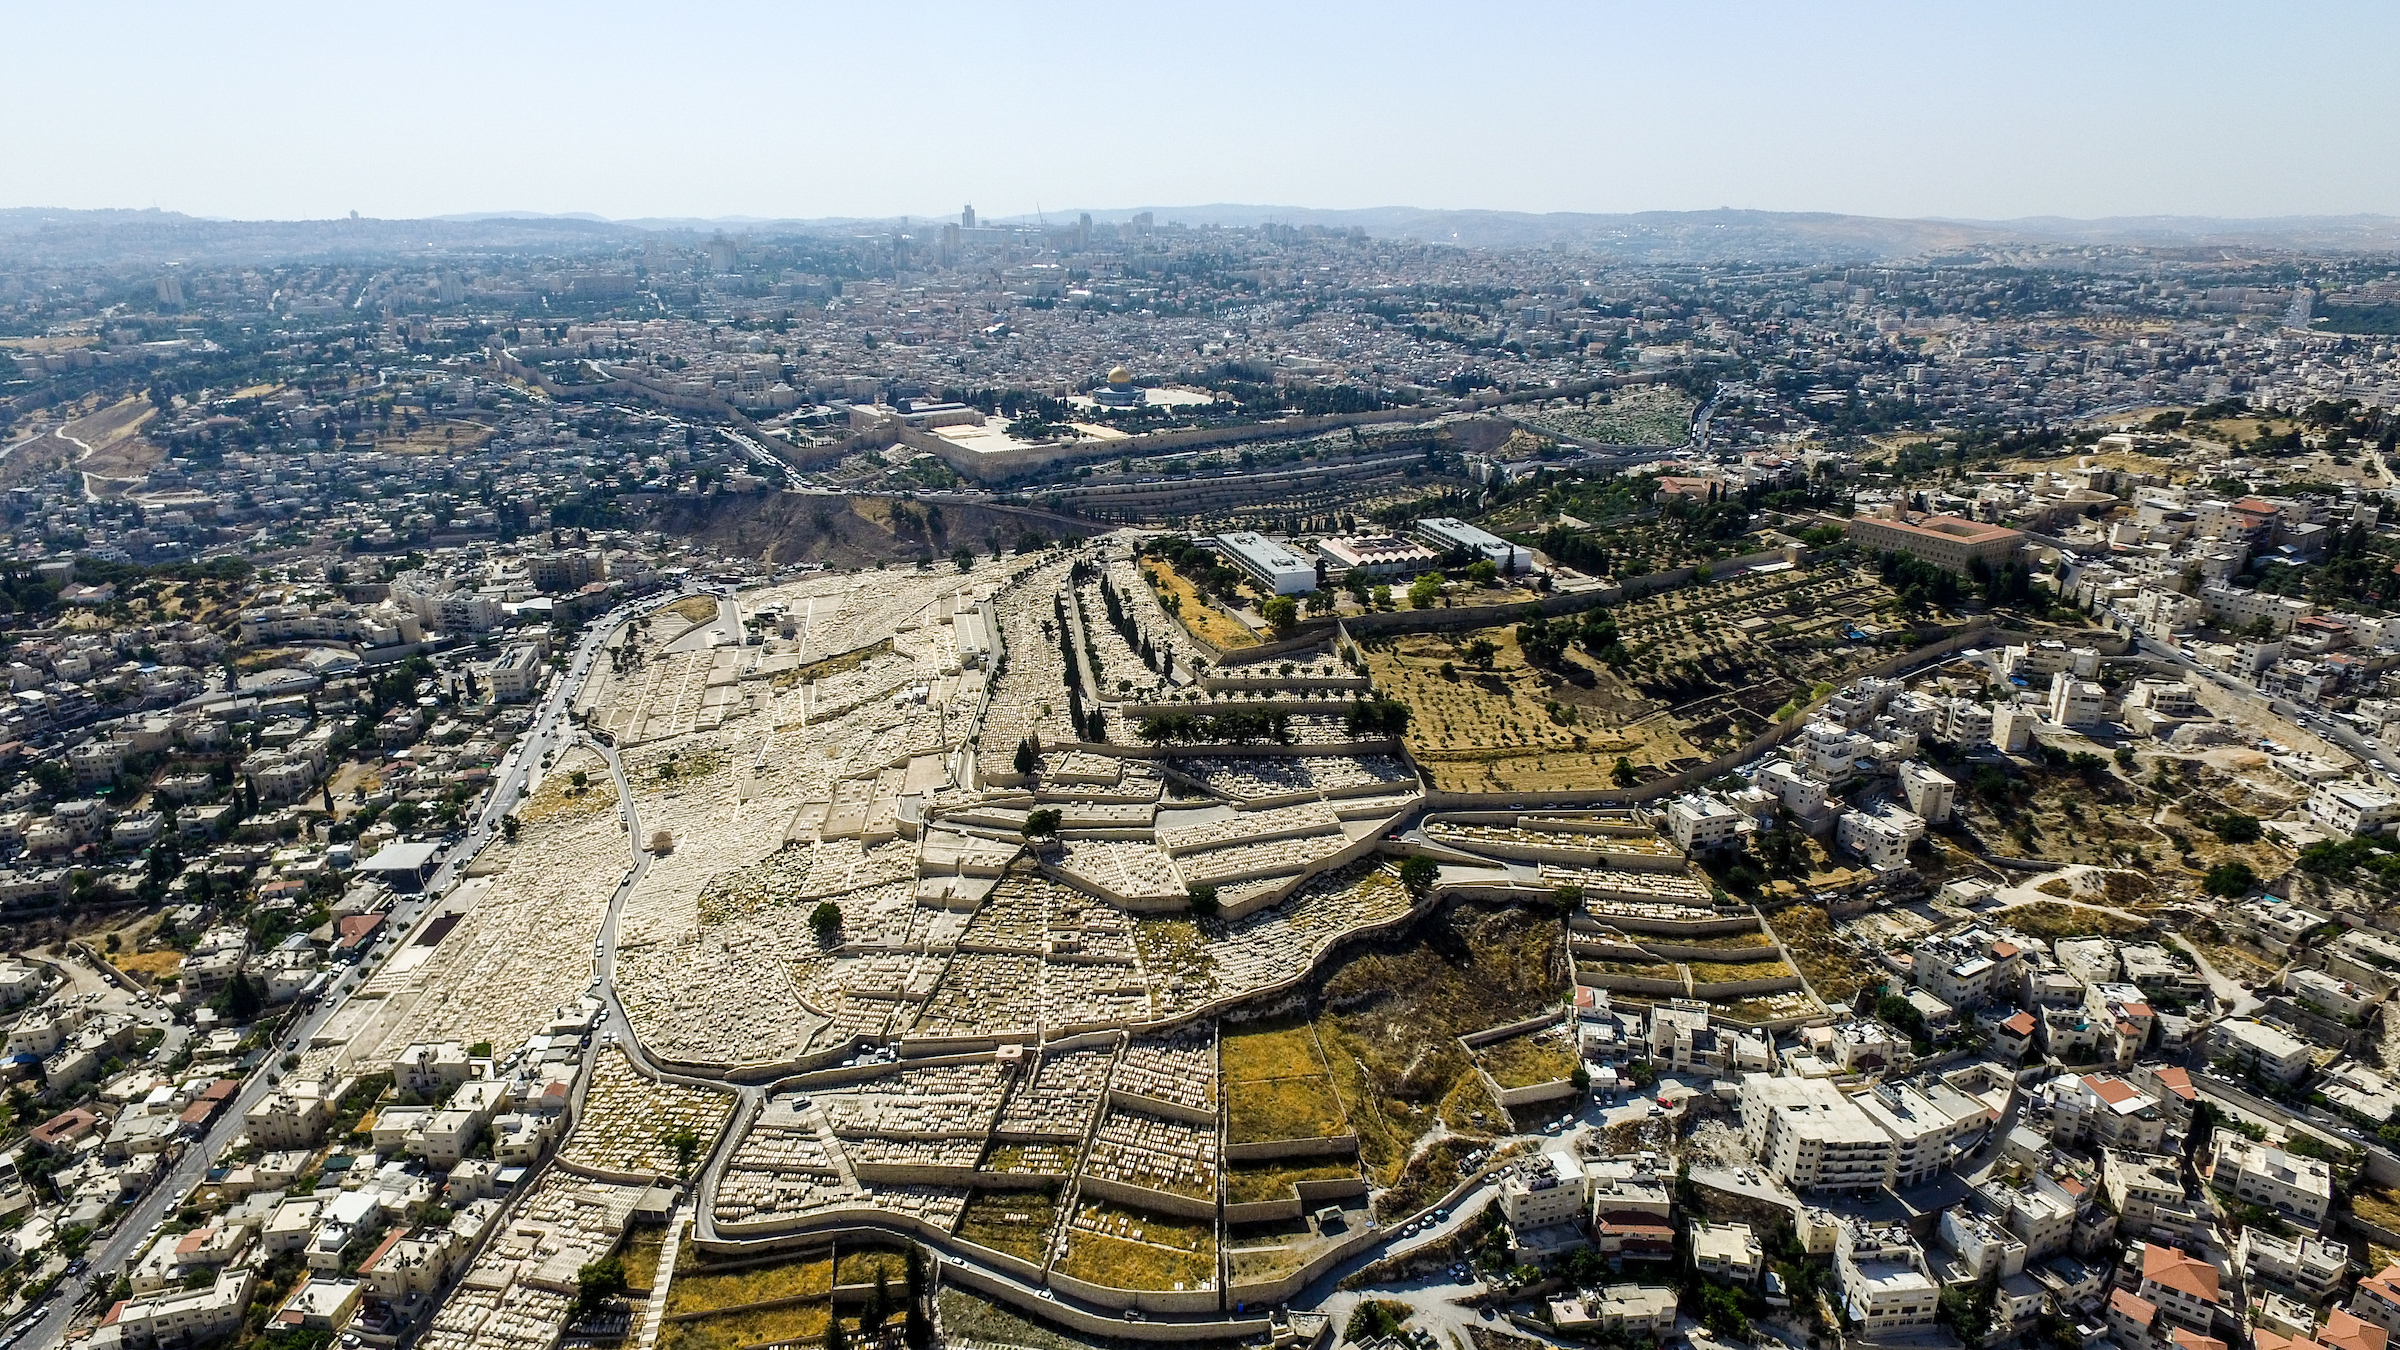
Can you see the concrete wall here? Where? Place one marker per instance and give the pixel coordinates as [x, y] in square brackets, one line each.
[1306, 1195]
[1738, 989]
[1476, 1040]
[1267, 1293]
[1143, 1197]
[1159, 1106]
[1321, 1146]
[1148, 1300]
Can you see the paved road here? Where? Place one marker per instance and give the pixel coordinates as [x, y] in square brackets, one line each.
[191, 1165]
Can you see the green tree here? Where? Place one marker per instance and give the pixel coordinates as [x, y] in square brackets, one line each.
[1483, 572]
[2229, 879]
[1623, 775]
[1027, 759]
[509, 825]
[879, 1304]
[1204, 900]
[1424, 591]
[238, 1001]
[1418, 873]
[685, 1144]
[598, 1283]
[826, 919]
[963, 558]
[2236, 828]
[1481, 653]
[1042, 823]
[917, 1332]
[1282, 614]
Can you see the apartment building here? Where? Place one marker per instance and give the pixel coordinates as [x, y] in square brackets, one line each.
[1929, 792]
[1545, 1194]
[1967, 970]
[2352, 808]
[1880, 835]
[2300, 1189]
[2104, 1109]
[1881, 1280]
[1700, 822]
[1925, 1121]
[2186, 1289]
[2274, 1052]
[2377, 1299]
[1809, 1136]
[2146, 1190]
[1727, 1251]
[2311, 1267]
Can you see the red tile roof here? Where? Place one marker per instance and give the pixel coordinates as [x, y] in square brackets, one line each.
[2114, 1091]
[377, 1254]
[2132, 1306]
[2344, 1331]
[2170, 1269]
[64, 1127]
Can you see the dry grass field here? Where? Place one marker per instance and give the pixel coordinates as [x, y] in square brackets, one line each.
[1212, 627]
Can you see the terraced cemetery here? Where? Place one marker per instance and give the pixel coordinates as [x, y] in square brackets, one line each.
[1703, 670]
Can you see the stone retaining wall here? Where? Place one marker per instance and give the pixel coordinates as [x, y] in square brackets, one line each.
[1143, 1197]
[1321, 1146]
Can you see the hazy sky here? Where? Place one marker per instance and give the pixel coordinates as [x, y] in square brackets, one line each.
[2006, 109]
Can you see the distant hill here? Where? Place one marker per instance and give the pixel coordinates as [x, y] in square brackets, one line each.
[47, 237]
[42, 236]
[1797, 236]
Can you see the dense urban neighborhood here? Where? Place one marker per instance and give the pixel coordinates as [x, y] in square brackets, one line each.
[1078, 782]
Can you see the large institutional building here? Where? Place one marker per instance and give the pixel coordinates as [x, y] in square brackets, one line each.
[1945, 541]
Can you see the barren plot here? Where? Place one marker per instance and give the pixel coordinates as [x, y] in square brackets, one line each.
[1390, 1016]
[1636, 415]
[1251, 1183]
[1833, 966]
[1524, 1061]
[1125, 1248]
[1017, 1223]
[1192, 964]
[577, 784]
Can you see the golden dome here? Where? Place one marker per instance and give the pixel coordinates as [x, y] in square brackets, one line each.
[1120, 376]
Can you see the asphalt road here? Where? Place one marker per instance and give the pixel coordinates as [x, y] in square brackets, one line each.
[549, 729]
